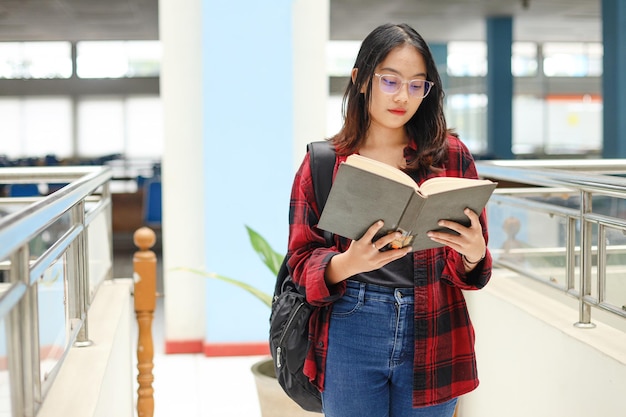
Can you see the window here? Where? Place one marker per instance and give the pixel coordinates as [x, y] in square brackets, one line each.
[529, 120]
[36, 126]
[467, 59]
[574, 124]
[10, 127]
[467, 113]
[118, 59]
[144, 127]
[84, 127]
[100, 126]
[524, 60]
[572, 59]
[340, 57]
[126, 125]
[40, 126]
[35, 60]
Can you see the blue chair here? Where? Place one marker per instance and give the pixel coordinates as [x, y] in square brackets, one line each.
[152, 203]
[141, 181]
[23, 190]
[51, 160]
[55, 186]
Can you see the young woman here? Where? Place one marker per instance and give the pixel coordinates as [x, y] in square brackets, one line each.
[396, 339]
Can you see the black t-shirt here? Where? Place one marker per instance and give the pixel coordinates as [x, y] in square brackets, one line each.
[396, 274]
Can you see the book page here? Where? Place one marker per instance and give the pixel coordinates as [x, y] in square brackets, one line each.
[440, 184]
[381, 168]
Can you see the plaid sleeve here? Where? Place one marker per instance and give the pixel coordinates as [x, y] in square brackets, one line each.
[461, 164]
[308, 254]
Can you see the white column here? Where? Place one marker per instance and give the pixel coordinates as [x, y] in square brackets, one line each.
[311, 22]
[180, 30]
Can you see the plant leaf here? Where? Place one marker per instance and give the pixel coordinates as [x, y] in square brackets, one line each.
[261, 295]
[269, 256]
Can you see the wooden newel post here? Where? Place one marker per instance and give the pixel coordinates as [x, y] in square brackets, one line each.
[145, 262]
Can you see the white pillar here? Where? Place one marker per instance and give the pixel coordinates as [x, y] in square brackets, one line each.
[180, 30]
[311, 22]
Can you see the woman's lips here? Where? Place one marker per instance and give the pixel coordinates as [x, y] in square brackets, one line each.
[397, 112]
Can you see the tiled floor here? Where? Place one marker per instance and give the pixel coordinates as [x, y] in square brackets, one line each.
[197, 386]
[193, 385]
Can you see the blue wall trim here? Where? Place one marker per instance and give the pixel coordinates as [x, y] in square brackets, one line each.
[440, 54]
[499, 87]
[614, 78]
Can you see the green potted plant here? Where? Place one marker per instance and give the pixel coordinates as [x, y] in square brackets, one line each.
[270, 258]
[272, 399]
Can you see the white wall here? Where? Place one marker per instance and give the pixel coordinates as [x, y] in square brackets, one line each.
[532, 361]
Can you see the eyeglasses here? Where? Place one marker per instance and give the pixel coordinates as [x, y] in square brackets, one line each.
[391, 84]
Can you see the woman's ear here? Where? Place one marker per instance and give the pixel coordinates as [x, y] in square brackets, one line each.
[355, 71]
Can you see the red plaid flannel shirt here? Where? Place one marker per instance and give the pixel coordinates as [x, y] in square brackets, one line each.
[444, 359]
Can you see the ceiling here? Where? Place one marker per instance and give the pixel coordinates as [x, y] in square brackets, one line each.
[454, 20]
[436, 20]
[32, 20]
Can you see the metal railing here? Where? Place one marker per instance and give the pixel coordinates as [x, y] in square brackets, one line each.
[55, 250]
[563, 217]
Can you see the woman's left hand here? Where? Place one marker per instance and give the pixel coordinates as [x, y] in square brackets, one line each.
[469, 241]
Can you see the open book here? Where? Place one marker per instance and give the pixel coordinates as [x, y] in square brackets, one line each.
[366, 190]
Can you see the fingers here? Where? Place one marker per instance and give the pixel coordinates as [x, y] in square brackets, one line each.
[474, 219]
[368, 248]
[468, 240]
[392, 240]
[385, 241]
[371, 231]
[461, 229]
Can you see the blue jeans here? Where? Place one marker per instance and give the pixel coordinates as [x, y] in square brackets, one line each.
[369, 367]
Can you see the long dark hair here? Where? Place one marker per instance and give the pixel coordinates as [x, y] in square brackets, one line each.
[427, 128]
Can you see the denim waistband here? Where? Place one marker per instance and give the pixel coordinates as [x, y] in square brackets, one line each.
[361, 289]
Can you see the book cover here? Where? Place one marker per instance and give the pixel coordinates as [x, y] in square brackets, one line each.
[366, 190]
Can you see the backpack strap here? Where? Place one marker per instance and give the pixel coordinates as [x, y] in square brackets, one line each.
[322, 155]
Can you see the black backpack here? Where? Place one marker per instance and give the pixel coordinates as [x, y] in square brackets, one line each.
[289, 320]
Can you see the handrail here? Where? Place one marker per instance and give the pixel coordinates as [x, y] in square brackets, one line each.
[583, 180]
[21, 226]
[587, 177]
[84, 201]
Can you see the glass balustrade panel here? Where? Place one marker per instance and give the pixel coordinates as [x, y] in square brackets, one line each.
[534, 242]
[100, 251]
[53, 330]
[5, 387]
[616, 268]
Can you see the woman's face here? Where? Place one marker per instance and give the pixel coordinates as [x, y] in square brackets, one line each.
[394, 110]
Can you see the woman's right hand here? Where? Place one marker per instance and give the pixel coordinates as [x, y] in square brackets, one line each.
[364, 255]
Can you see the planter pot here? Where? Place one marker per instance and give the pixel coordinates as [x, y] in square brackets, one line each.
[272, 399]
